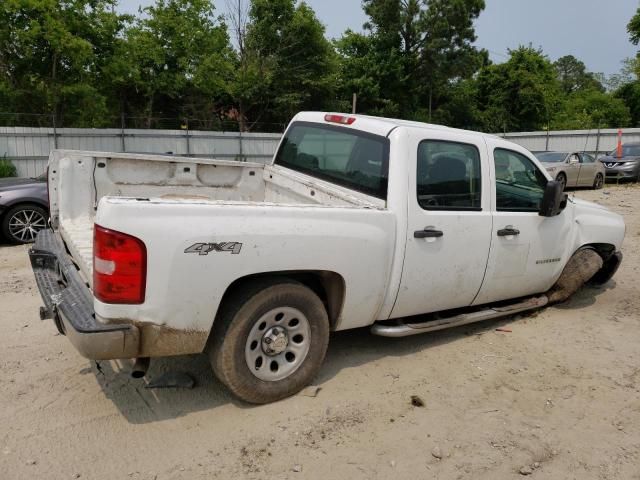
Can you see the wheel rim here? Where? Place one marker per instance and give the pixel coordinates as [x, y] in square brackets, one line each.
[598, 181]
[25, 224]
[278, 344]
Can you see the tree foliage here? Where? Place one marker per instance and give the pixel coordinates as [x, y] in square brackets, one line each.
[83, 64]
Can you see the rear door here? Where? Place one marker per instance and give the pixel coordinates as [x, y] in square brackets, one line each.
[449, 224]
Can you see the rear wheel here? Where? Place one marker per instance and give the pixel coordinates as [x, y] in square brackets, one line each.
[22, 223]
[598, 182]
[269, 340]
[562, 179]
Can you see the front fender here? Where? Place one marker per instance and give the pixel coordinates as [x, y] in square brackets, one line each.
[597, 225]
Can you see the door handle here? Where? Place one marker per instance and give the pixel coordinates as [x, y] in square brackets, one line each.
[508, 231]
[428, 232]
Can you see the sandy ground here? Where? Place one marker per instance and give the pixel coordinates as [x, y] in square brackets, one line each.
[560, 396]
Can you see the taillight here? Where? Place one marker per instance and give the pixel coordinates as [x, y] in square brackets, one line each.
[119, 267]
[341, 119]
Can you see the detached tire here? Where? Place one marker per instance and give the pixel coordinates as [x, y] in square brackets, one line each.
[269, 340]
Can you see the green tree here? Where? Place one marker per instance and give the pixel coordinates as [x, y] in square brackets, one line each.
[51, 55]
[176, 60]
[518, 95]
[591, 109]
[573, 75]
[634, 28]
[289, 61]
[411, 52]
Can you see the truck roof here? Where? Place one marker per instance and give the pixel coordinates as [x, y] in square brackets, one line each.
[381, 125]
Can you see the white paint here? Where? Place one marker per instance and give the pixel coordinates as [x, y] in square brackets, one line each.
[288, 221]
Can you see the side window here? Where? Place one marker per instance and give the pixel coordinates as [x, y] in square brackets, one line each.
[448, 176]
[586, 158]
[519, 184]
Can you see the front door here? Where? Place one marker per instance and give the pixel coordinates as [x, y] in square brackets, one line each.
[527, 251]
[573, 170]
[449, 225]
[588, 170]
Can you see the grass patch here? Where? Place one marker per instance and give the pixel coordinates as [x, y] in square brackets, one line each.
[7, 169]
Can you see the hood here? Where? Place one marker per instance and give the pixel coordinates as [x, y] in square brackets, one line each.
[585, 205]
[613, 158]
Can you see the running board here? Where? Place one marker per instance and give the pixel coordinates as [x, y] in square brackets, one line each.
[405, 329]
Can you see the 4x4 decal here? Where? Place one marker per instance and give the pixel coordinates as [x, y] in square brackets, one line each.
[205, 248]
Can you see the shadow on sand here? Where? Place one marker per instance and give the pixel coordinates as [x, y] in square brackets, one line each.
[347, 349]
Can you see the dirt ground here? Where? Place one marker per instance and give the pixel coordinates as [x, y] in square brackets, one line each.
[556, 398]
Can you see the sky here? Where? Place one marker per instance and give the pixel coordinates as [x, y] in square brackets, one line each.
[594, 31]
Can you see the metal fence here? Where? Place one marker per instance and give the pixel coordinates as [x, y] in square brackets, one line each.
[28, 147]
[591, 141]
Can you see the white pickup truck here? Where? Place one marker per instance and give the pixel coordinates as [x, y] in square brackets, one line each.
[358, 221]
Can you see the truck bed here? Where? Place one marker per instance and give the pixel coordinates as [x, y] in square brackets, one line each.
[79, 180]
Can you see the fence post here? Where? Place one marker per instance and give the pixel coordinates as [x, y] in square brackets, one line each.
[188, 144]
[597, 143]
[240, 142]
[546, 148]
[55, 132]
[122, 144]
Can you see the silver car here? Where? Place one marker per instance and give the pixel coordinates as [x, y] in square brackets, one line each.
[573, 169]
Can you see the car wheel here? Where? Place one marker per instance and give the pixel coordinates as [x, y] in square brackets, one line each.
[269, 340]
[562, 178]
[22, 223]
[598, 182]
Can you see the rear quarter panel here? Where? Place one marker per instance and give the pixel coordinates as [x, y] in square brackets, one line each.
[184, 290]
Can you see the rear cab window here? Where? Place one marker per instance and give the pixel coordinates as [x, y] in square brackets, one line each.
[344, 156]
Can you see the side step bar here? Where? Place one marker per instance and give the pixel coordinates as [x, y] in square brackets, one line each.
[405, 329]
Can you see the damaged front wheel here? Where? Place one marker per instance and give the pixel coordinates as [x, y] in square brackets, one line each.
[580, 268]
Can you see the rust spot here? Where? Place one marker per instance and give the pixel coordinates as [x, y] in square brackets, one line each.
[160, 341]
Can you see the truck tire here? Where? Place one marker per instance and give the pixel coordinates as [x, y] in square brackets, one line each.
[269, 340]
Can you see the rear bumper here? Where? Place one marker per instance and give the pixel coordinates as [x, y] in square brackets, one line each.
[68, 300]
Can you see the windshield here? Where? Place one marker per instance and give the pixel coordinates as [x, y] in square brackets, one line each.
[347, 157]
[627, 151]
[551, 157]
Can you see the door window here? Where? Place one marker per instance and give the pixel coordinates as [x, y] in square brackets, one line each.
[586, 158]
[448, 176]
[519, 183]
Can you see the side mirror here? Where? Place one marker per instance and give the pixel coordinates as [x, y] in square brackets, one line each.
[554, 199]
[573, 160]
